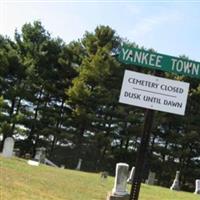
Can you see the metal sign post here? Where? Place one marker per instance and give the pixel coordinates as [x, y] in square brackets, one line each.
[148, 122]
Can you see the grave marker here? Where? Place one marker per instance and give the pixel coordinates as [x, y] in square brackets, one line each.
[119, 191]
[78, 167]
[16, 152]
[131, 175]
[197, 186]
[40, 154]
[33, 163]
[151, 178]
[8, 147]
[175, 185]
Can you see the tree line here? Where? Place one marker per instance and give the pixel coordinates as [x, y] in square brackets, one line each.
[65, 97]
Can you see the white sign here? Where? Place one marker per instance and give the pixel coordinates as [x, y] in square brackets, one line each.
[153, 92]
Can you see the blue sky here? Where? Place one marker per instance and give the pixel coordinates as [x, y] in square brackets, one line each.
[170, 27]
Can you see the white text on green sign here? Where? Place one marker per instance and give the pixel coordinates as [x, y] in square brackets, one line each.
[159, 61]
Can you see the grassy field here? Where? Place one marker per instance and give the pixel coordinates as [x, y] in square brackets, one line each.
[19, 181]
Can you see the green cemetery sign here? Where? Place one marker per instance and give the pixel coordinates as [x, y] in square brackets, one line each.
[159, 61]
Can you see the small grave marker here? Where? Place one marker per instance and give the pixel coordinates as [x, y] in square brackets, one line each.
[40, 154]
[78, 167]
[8, 147]
[175, 185]
[197, 186]
[151, 178]
[131, 175]
[119, 191]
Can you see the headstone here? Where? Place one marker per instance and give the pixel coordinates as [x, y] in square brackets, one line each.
[27, 156]
[104, 175]
[119, 190]
[131, 175]
[175, 185]
[16, 152]
[8, 147]
[151, 178]
[33, 163]
[110, 196]
[40, 154]
[62, 166]
[197, 188]
[78, 167]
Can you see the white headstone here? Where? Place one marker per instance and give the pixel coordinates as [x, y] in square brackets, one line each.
[62, 166]
[33, 163]
[197, 188]
[78, 167]
[8, 147]
[16, 152]
[121, 175]
[131, 175]
[40, 154]
[175, 185]
[151, 178]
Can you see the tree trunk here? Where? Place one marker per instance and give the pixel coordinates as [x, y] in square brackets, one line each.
[38, 133]
[80, 142]
[58, 125]
[9, 132]
[12, 107]
[127, 144]
[17, 111]
[31, 134]
[53, 146]
[121, 143]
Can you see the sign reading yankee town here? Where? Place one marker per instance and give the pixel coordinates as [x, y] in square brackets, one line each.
[159, 61]
[154, 93]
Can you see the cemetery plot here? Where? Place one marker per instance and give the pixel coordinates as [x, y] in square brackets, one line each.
[44, 182]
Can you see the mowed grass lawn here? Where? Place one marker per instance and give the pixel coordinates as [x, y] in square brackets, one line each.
[19, 181]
